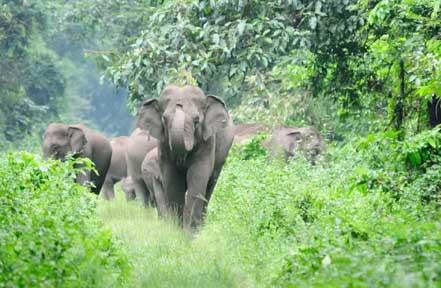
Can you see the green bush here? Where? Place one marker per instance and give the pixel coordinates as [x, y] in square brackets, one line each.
[359, 220]
[50, 235]
[252, 149]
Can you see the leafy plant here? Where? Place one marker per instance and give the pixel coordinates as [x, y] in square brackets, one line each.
[50, 235]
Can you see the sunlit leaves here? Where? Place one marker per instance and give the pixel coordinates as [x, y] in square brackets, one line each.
[222, 40]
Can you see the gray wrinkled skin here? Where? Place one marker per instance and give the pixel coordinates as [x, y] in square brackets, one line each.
[153, 180]
[195, 134]
[128, 188]
[139, 144]
[118, 167]
[59, 140]
[286, 142]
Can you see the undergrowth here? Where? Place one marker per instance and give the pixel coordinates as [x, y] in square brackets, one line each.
[50, 235]
[367, 215]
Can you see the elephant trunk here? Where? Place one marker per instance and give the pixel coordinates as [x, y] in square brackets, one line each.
[178, 141]
[182, 132]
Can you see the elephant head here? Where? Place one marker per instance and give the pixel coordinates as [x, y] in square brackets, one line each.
[183, 117]
[306, 140]
[293, 140]
[60, 140]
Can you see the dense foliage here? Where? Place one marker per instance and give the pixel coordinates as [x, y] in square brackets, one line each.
[364, 72]
[50, 235]
[362, 219]
[363, 58]
[45, 77]
[30, 81]
[368, 216]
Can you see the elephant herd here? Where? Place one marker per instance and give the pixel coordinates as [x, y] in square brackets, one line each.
[174, 157]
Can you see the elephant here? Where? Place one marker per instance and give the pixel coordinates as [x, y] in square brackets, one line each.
[128, 188]
[243, 133]
[151, 175]
[61, 139]
[287, 141]
[139, 144]
[117, 169]
[195, 133]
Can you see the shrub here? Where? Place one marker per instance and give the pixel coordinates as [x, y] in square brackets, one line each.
[358, 220]
[252, 149]
[50, 236]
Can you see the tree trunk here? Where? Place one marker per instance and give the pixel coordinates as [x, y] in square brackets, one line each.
[434, 111]
[399, 104]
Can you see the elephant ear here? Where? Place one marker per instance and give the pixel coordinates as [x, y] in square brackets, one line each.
[295, 137]
[216, 117]
[149, 118]
[77, 139]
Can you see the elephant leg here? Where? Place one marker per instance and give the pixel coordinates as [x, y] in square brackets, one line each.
[154, 185]
[174, 186]
[159, 197]
[198, 177]
[141, 191]
[210, 188]
[107, 191]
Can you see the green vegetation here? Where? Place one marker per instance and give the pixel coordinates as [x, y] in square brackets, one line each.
[50, 235]
[364, 72]
[45, 75]
[359, 219]
[366, 216]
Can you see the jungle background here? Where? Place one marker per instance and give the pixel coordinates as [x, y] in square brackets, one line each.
[365, 73]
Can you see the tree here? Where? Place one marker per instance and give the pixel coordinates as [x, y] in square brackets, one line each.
[25, 93]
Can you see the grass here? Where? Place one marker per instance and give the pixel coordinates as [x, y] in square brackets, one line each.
[162, 255]
[362, 218]
[367, 216]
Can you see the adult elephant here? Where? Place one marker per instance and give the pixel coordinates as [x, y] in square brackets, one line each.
[118, 167]
[80, 141]
[246, 131]
[139, 144]
[287, 141]
[195, 134]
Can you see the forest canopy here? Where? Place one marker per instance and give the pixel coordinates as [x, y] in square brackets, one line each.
[322, 63]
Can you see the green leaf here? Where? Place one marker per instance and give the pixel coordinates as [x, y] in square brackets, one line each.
[241, 27]
[414, 159]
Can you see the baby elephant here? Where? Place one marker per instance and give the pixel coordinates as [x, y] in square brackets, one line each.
[287, 141]
[118, 167]
[151, 175]
[139, 144]
[80, 141]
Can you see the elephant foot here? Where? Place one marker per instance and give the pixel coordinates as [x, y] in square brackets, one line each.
[193, 217]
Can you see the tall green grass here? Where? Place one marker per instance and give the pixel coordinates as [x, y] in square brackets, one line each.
[163, 256]
[360, 219]
[368, 215]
